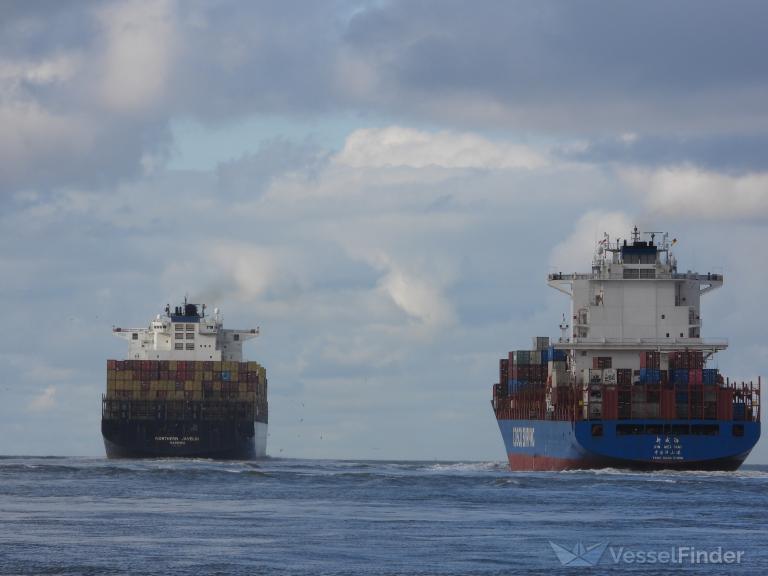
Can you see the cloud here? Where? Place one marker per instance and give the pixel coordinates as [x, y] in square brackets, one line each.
[690, 192]
[58, 67]
[44, 401]
[139, 38]
[400, 146]
[574, 254]
[249, 175]
[730, 153]
[419, 298]
[87, 92]
[560, 67]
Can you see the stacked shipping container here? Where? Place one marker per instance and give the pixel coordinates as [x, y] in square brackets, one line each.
[186, 380]
[685, 391]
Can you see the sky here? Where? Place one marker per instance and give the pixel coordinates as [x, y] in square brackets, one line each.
[380, 186]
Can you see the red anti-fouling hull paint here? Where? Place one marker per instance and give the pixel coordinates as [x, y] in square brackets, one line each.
[526, 462]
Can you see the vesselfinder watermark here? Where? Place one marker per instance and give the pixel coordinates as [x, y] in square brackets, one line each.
[594, 554]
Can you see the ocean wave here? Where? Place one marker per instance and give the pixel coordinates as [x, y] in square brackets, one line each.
[468, 467]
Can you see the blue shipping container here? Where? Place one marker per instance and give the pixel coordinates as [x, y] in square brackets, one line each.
[650, 376]
[680, 376]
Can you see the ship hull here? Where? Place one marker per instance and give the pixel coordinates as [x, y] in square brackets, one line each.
[628, 444]
[225, 440]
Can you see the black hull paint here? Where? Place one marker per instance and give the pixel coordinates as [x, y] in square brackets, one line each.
[230, 440]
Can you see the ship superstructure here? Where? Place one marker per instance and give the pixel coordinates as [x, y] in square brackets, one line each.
[631, 382]
[184, 390]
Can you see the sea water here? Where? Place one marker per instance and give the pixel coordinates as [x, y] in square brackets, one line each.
[313, 517]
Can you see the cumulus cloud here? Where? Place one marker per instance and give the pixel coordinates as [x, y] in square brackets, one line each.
[692, 192]
[139, 38]
[574, 254]
[419, 298]
[44, 401]
[245, 271]
[401, 146]
[87, 91]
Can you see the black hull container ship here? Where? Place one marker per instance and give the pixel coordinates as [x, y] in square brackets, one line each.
[185, 391]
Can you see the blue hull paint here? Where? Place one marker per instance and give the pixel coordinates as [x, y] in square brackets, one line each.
[552, 445]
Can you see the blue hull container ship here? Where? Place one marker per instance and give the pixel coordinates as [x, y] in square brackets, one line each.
[630, 383]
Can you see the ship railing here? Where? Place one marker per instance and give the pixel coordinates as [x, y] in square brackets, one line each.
[712, 342]
[709, 277]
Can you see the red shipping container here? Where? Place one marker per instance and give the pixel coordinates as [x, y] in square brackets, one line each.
[695, 377]
[650, 359]
[610, 406]
[725, 404]
[624, 377]
[503, 371]
[695, 359]
[111, 364]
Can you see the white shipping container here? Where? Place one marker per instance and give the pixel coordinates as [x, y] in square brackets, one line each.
[609, 376]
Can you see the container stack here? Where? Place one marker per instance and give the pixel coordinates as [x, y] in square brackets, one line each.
[186, 380]
[650, 367]
[531, 369]
[686, 377]
[557, 367]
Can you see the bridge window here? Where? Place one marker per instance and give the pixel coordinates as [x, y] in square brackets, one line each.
[631, 273]
[191, 346]
[237, 337]
[179, 346]
[135, 336]
[179, 336]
